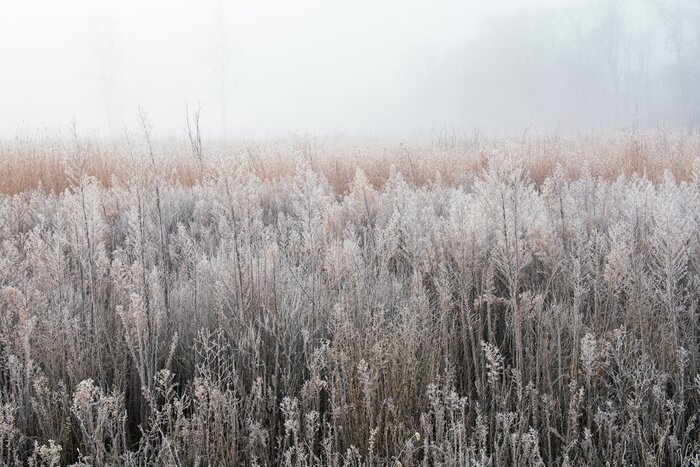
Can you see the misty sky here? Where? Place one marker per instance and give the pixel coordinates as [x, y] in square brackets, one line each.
[358, 66]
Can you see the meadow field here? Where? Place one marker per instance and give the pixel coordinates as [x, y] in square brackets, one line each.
[469, 301]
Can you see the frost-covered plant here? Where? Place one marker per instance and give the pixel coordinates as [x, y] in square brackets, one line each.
[275, 319]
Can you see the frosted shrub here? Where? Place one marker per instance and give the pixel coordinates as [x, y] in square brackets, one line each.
[10, 436]
[494, 363]
[47, 455]
[102, 422]
[588, 355]
[379, 318]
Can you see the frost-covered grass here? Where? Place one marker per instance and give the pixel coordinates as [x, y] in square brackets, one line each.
[323, 308]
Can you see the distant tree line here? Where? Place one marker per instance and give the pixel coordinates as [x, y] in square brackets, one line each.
[596, 64]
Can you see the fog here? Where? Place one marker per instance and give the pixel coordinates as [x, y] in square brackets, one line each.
[275, 67]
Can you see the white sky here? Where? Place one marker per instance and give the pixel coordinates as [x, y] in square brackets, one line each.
[300, 65]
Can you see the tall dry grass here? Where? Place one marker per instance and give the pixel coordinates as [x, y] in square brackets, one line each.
[29, 163]
[534, 304]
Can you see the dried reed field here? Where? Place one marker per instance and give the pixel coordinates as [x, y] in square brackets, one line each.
[532, 301]
[30, 162]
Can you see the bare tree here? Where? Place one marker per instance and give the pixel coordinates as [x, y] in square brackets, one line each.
[107, 54]
[673, 16]
[612, 42]
[221, 63]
